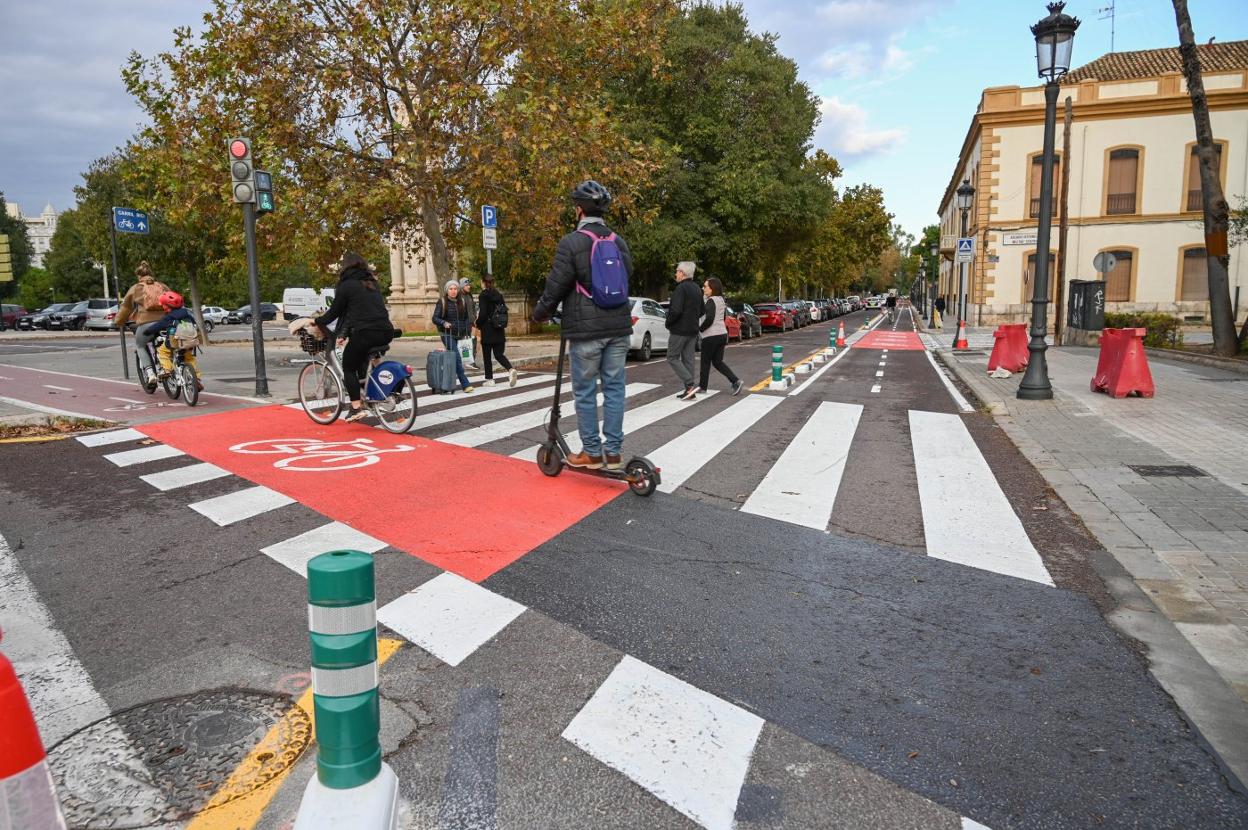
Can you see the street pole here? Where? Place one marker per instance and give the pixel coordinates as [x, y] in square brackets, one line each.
[253, 286]
[1035, 385]
[961, 281]
[112, 238]
[489, 261]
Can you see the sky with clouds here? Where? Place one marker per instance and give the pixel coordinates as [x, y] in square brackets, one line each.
[898, 79]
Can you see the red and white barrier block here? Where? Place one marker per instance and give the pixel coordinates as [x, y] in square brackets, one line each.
[27, 795]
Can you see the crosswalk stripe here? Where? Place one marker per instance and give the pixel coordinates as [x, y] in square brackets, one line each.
[469, 410]
[242, 504]
[116, 436]
[966, 517]
[155, 453]
[634, 419]
[684, 455]
[295, 552]
[185, 476]
[449, 616]
[507, 427]
[432, 401]
[801, 486]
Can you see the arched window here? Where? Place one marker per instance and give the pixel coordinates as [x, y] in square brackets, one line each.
[1122, 181]
[1193, 276]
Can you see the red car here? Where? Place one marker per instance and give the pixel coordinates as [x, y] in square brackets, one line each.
[9, 314]
[733, 325]
[773, 317]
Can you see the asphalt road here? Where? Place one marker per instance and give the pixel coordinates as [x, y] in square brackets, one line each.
[895, 688]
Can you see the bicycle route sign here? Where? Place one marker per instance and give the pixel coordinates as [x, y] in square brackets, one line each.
[129, 220]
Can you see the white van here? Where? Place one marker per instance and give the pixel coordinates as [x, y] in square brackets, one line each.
[305, 302]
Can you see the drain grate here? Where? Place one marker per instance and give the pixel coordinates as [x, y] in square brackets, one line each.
[1168, 470]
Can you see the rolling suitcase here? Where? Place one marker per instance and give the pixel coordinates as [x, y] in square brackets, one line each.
[440, 371]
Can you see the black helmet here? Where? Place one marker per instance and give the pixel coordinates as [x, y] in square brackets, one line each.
[589, 194]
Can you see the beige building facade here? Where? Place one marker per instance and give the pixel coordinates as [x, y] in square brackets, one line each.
[39, 229]
[1133, 186]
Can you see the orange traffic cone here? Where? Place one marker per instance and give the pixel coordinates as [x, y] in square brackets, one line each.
[840, 335]
[26, 790]
[961, 343]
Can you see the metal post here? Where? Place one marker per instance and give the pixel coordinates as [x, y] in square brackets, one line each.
[961, 280]
[253, 285]
[777, 363]
[489, 261]
[112, 238]
[104, 265]
[1035, 385]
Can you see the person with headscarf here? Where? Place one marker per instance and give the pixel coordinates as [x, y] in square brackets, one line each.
[452, 320]
[360, 311]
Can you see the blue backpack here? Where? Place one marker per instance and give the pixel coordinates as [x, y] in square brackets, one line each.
[607, 276]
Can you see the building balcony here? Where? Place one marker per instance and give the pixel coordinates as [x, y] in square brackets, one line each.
[1118, 203]
[1035, 208]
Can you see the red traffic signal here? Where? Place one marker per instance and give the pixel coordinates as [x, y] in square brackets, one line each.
[240, 148]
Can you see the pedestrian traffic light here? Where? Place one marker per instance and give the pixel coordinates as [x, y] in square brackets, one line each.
[264, 192]
[242, 174]
[6, 259]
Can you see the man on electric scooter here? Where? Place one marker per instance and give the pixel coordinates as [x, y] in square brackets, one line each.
[596, 328]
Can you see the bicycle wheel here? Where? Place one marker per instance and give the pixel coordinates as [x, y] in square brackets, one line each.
[397, 412]
[138, 374]
[320, 392]
[170, 383]
[190, 385]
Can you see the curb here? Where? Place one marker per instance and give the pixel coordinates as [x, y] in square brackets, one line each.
[994, 405]
[1214, 362]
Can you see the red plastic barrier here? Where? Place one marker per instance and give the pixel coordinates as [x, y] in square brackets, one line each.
[1122, 368]
[1009, 351]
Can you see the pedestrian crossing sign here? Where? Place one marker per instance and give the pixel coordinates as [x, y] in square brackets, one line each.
[966, 248]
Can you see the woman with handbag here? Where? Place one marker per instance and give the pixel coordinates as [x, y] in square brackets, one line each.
[452, 320]
[492, 323]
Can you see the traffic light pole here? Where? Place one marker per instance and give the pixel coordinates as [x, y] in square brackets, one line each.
[112, 238]
[253, 286]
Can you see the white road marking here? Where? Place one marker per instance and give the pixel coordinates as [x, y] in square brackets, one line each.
[449, 617]
[879, 374]
[431, 401]
[295, 552]
[798, 389]
[689, 748]
[497, 430]
[46, 410]
[116, 436]
[144, 454]
[957, 396]
[875, 390]
[126, 400]
[966, 517]
[57, 388]
[801, 486]
[684, 455]
[184, 476]
[971, 824]
[242, 504]
[469, 410]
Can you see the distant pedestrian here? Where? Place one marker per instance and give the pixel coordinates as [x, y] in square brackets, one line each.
[683, 313]
[450, 316]
[492, 324]
[465, 291]
[715, 336]
[938, 308]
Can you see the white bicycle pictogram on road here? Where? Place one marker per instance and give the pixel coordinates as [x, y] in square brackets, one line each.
[311, 455]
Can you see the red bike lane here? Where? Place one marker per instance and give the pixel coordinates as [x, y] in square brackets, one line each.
[467, 511]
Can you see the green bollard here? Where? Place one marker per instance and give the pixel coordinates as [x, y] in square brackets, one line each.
[342, 624]
[777, 363]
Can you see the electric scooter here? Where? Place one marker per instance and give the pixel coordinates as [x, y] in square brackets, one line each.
[552, 455]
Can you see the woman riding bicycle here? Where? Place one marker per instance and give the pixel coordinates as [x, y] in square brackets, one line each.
[360, 310]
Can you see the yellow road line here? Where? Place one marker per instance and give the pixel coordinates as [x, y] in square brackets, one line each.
[762, 384]
[35, 438]
[224, 812]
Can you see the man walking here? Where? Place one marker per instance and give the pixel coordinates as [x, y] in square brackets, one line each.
[596, 322]
[683, 315]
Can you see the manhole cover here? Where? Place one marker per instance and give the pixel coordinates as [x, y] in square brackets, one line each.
[161, 762]
[1171, 470]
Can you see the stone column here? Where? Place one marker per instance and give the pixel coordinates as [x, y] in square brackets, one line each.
[414, 285]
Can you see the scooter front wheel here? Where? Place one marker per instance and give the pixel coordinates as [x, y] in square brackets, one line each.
[642, 476]
[548, 460]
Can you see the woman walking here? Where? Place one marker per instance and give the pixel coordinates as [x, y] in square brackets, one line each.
[715, 336]
[493, 335]
[451, 318]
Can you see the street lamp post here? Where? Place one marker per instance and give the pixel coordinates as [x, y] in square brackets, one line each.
[1055, 36]
[935, 252]
[966, 197]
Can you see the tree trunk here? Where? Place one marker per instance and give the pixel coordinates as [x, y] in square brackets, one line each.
[437, 242]
[1217, 212]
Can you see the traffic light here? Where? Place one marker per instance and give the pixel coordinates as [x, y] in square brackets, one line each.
[264, 192]
[242, 174]
[6, 259]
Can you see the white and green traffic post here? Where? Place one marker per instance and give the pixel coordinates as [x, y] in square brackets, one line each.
[777, 368]
[352, 787]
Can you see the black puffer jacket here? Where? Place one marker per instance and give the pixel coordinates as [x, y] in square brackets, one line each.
[358, 304]
[581, 319]
[454, 312]
[490, 299]
[685, 309]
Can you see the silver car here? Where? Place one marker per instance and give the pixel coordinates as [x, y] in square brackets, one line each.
[100, 314]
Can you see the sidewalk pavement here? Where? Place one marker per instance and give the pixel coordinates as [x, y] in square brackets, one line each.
[1178, 537]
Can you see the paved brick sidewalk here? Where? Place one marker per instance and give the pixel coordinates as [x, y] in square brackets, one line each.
[1182, 540]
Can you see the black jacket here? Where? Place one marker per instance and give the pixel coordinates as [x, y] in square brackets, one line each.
[455, 313]
[581, 319]
[939, 304]
[490, 299]
[356, 306]
[685, 308]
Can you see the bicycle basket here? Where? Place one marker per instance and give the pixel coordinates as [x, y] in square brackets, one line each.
[310, 343]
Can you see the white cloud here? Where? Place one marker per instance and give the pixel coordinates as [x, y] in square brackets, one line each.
[843, 131]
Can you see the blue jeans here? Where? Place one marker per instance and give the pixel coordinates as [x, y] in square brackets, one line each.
[593, 360]
[452, 344]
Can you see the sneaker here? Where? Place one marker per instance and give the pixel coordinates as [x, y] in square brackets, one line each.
[356, 415]
[614, 462]
[691, 394]
[150, 379]
[587, 462]
[701, 390]
[736, 388]
[488, 382]
[511, 377]
[468, 389]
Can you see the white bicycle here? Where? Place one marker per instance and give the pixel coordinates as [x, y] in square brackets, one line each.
[388, 391]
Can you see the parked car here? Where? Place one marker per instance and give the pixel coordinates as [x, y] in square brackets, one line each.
[751, 326]
[214, 314]
[773, 317]
[101, 314]
[649, 332]
[801, 313]
[873, 302]
[39, 319]
[732, 325]
[70, 320]
[855, 303]
[816, 311]
[8, 315]
[268, 311]
[305, 302]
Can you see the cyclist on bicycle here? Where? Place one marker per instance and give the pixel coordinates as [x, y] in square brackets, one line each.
[175, 313]
[360, 310]
[142, 302]
[891, 305]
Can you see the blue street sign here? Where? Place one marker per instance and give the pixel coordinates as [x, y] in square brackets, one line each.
[489, 216]
[966, 249]
[128, 220]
